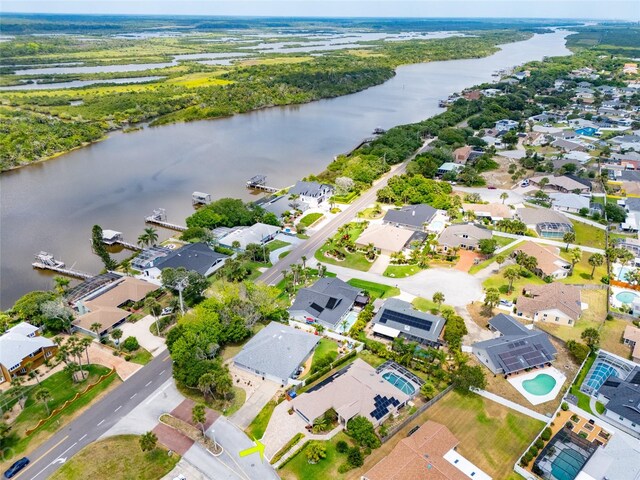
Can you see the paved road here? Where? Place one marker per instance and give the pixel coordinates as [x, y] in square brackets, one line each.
[97, 420]
[308, 248]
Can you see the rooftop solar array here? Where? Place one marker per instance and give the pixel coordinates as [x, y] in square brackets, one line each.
[382, 405]
[522, 354]
[390, 315]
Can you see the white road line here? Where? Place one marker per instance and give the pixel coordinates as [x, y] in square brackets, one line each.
[118, 408]
[101, 422]
[75, 443]
[162, 372]
[149, 383]
[131, 397]
[82, 437]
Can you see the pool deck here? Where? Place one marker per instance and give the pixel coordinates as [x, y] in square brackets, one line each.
[615, 291]
[559, 377]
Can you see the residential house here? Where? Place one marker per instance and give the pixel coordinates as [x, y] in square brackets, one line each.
[627, 142]
[563, 183]
[197, 257]
[621, 399]
[276, 352]
[630, 69]
[259, 233]
[631, 244]
[631, 337]
[466, 236]
[358, 389]
[564, 135]
[554, 303]
[312, 193]
[328, 302]
[148, 256]
[386, 239]
[448, 167]
[516, 349]
[461, 155]
[104, 307]
[580, 157]
[397, 318]
[569, 202]
[505, 125]
[22, 349]
[428, 453]
[569, 146]
[546, 223]
[550, 263]
[494, 212]
[282, 204]
[412, 217]
[535, 139]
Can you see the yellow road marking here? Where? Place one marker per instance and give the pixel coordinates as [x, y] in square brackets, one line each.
[43, 455]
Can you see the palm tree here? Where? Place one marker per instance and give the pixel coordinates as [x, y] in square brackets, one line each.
[154, 309]
[34, 374]
[595, 260]
[43, 395]
[85, 342]
[568, 238]
[148, 441]
[304, 261]
[96, 328]
[143, 239]
[116, 334]
[512, 273]
[575, 256]
[152, 235]
[504, 196]
[16, 384]
[126, 266]
[438, 299]
[199, 416]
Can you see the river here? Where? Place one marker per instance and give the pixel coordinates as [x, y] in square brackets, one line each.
[115, 183]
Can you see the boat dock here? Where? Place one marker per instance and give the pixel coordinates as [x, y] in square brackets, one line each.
[113, 237]
[200, 198]
[259, 182]
[362, 142]
[159, 217]
[46, 261]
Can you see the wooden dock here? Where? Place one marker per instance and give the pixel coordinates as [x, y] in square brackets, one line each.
[127, 245]
[159, 217]
[69, 272]
[362, 142]
[259, 182]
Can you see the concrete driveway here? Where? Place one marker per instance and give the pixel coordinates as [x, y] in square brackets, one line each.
[259, 392]
[140, 329]
[102, 355]
[282, 428]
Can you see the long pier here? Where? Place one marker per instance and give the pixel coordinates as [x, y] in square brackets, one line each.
[159, 217]
[259, 182]
[125, 244]
[69, 272]
[364, 141]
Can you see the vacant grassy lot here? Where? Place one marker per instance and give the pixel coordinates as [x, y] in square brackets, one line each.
[117, 458]
[375, 290]
[310, 219]
[259, 424]
[298, 468]
[589, 235]
[401, 271]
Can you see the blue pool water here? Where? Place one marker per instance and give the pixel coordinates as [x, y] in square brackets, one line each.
[347, 323]
[399, 382]
[599, 375]
[590, 131]
[621, 274]
[626, 297]
[567, 465]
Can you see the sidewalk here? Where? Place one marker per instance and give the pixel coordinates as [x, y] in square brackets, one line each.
[512, 405]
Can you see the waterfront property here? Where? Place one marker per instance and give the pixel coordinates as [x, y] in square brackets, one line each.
[539, 386]
[631, 337]
[517, 348]
[357, 389]
[240, 237]
[313, 194]
[431, 448]
[555, 303]
[328, 302]
[276, 352]
[196, 257]
[549, 262]
[22, 349]
[104, 306]
[397, 318]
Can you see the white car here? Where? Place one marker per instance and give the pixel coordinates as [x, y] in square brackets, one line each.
[180, 477]
[166, 311]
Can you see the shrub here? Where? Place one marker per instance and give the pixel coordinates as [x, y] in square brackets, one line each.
[131, 344]
[528, 456]
[361, 430]
[579, 350]
[128, 357]
[355, 457]
[564, 407]
[533, 451]
[344, 468]
[315, 452]
[546, 434]
[342, 446]
[539, 444]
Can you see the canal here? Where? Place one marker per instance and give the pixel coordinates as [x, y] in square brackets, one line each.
[52, 205]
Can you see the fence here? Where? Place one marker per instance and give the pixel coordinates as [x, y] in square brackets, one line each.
[69, 402]
[416, 414]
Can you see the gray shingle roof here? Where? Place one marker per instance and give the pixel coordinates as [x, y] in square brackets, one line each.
[467, 234]
[328, 300]
[624, 396]
[310, 189]
[413, 215]
[195, 256]
[277, 350]
[400, 315]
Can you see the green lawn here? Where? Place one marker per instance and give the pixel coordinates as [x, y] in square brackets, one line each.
[299, 468]
[498, 281]
[482, 265]
[310, 219]
[375, 290]
[491, 436]
[582, 270]
[284, 254]
[141, 357]
[117, 458]
[401, 271]
[325, 347]
[424, 304]
[371, 359]
[583, 399]
[356, 260]
[588, 235]
[227, 408]
[259, 424]
[503, 241]
[276, 244]
[62, 388]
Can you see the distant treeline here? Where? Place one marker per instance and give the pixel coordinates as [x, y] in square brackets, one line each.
[614, 39]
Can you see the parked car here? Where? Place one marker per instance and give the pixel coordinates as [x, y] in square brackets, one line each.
[16, 467]
[525, 183]
[166, 311]
[492, 187]
[506, 303]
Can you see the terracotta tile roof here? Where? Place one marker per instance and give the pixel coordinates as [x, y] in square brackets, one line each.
[419, 456]
[565, 298]
[548, 259]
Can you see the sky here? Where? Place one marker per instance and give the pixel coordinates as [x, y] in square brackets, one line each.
[580, 9]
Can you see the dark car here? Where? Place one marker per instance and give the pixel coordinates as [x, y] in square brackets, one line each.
[16, 467]
[491, 187]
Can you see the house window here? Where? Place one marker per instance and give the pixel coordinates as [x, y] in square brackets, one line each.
[557, 319]
[570, 322]
[621, 419]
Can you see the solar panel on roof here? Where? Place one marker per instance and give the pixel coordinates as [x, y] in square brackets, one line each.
[316, 307]
[635, 379]
[332, 302]
[405, 319]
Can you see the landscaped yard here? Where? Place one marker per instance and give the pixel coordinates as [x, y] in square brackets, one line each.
[375, 290]
[326, 347]
[401, 271]
[482, 265]
[424, 304]
[276, 244]
[141, 357]
[582, 270]
[498, 281]
[310, 219]
[355, 260]
[227, 408]
[116, 458]
[298, 468]
[62, 388]
[583, 399]
[588, 235]
[259, 424]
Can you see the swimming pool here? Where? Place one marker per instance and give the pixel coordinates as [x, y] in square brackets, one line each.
[346, 324]
[436, 225]
[599, 374]
[626, 297]
[567, 465]
[399, 382]
[622, 273]
[590, 131]
[540, 385]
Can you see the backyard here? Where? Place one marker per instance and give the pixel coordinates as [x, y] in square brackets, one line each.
[115, 458]
[582, 270]
[375, 290]
[588, 235]
[298, 468]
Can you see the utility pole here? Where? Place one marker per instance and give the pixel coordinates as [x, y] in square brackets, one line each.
[180, 285]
